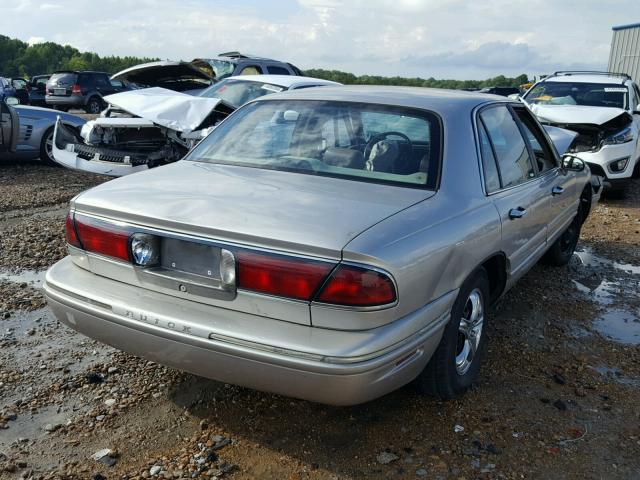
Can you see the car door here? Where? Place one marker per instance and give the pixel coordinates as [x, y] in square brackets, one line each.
[519, 195]
[103, 85]
[9, 127]
[561, 184]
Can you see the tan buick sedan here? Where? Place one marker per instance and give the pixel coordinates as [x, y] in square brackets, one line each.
[331, 244]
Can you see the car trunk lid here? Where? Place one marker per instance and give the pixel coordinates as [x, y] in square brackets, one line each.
[291, 212]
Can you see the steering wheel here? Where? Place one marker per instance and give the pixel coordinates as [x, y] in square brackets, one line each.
[381, 136]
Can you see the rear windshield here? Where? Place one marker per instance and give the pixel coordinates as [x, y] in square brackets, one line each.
[356, 141]
[239, 92]
[577, 93]
[63, 78]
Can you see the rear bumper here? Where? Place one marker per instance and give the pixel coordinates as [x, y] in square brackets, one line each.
[168, 331]
[69, 101]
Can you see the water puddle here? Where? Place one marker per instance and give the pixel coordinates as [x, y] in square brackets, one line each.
[34, 278]
[604, 294]
[590, 259]
[616, 375]
[620, 325]
[30, 426]
[34, 344]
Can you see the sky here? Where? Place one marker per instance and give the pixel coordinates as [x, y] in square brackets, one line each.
[426, 38]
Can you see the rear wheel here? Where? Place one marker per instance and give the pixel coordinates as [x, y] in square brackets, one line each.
[46, 149]
[455, 364]
[94, 105]
[562, 249]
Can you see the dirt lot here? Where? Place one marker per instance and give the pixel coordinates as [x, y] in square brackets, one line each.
[558, 396]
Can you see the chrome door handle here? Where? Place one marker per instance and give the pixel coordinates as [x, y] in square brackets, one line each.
[517, 213]
[557, 191]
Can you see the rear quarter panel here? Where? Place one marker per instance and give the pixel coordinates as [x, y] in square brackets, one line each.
[431, 247]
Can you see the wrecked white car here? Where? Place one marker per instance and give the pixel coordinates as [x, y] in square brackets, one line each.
[604, 109]
[145, 128]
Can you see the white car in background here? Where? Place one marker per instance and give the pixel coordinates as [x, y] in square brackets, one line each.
[155, 126]
[604, 109]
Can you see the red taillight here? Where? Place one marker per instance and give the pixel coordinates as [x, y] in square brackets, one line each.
[290, 277]
[70, 231]
[76, 89]
[103, 239]
[358, 287]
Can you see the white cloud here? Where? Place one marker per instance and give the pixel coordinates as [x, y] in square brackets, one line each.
[35, 40]
[447, 38]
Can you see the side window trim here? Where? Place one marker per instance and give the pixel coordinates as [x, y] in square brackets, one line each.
[495, 157]
[525, 138]
[536, 125]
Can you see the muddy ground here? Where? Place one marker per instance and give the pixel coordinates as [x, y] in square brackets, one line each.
[558, 396]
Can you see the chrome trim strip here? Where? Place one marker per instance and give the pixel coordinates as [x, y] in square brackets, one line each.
[243, 347]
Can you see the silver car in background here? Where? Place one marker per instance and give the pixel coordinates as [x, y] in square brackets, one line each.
[331, 244]
[35, 136]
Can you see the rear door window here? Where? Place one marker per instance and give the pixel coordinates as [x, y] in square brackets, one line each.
[85, 81]
[276, 70]
[510, 149]
[251, 70]
[544, 157]
[102, 81]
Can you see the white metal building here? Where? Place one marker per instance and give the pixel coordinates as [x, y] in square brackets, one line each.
[625, 51]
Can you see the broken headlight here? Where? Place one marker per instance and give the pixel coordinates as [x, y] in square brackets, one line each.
[623, 136]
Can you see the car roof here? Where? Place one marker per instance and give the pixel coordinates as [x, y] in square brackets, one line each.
[78, 71]
[436, 99]
[286, 81]
[587, 78]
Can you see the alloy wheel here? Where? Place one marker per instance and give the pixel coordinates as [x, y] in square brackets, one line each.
[469, 331]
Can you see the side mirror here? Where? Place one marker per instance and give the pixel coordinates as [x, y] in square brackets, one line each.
[572, 163]
[12, 101]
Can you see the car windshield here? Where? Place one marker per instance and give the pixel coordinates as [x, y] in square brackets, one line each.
[578, 93]
[239, 92]
[356, 141]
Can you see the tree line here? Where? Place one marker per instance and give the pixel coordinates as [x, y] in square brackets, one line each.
[351, 79]
[19, 59]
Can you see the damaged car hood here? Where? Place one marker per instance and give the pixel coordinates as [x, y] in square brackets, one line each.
[173, 110]
[154, 73]
[578, 114]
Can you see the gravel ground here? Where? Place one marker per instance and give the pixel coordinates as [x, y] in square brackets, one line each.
[557, 398]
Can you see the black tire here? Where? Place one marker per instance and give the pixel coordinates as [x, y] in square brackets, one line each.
[451, 371]
[46, 148]
[94, 105]
[562, 249]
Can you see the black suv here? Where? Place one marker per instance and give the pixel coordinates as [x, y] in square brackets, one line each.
[85, 89]
[235, 63]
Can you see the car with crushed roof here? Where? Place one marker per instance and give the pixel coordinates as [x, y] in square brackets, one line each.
[330, 244]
